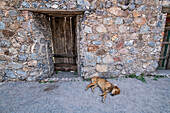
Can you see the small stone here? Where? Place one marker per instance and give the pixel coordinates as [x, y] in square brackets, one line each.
[151, 44]
[37, 47]
[94, 36]
[108, 21]
[119, 45]
[12, 13]
[159, 24]
[142, 8]
[31, 78]
[124, 51]
[23, 48]
[144, 29]
[43, 49]
[10, 73]
[8, 33]
[48, 5]
[13, 51]
[141, 44]
[119, 20]
[109, 44]
[42, 41]
[108, 59]
[101, 52]
[138, 2]
[113, 52]
[22, 73]
[132, 30]
[154, 64]
[16, 45]
[157, 37]
[32, 63]
[136, 14]
[24, 4]
[106, 36]
[156, 30]
[101, 29]
[2, 25]
[97, 42]
[54, 6]
[15, 65]
[129, 43]
[123, 28]
[99, 13]
[71, 5]
[140, 21]
[23, 58]
[132, 6]
[2, 64]
[92, 48]
[87, 29]
[34, 56]
[101, 68]
[20, 18]
[89, 56]
[116, 11]
[117, 59]
[6, 20]
[90, 63]
[99, 59]
[14, 26]
[5, 43]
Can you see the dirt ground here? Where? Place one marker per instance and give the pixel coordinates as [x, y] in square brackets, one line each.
[71, 97]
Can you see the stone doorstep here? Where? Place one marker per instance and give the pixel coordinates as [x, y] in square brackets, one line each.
[163, 73]
[64, 79]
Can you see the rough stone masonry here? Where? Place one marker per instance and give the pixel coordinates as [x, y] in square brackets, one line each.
[116, 39]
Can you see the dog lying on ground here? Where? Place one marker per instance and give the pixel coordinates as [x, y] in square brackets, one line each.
[105, 86]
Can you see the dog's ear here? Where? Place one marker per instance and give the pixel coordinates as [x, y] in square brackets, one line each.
[116, 87]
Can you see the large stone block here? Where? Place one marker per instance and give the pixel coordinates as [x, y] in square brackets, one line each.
[14, 65]
[12, 13]
[8, 33]
[21, 73]
[101, 29]
[144, 29]
[140, 21]
[2, 25]
[87, 29]
[119, 20]
[108, 21]
[101, 68]
[23, 57]
[116, 11]
[10, 73]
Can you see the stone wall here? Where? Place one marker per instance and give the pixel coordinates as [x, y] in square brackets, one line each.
[116, 39]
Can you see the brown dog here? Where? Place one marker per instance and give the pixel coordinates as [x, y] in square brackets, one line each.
[105, 86]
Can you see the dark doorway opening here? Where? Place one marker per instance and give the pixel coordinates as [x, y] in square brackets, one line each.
[64, 43]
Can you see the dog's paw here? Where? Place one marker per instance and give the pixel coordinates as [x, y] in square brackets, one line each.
[103, 100]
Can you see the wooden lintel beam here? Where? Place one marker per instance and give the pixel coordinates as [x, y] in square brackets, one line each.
[56, 11]
[59, 15]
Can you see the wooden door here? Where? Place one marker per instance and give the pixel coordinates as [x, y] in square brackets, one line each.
[164, 62]
[64, 43]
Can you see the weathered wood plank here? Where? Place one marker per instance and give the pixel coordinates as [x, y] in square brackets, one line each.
[64, 64]
[164, 43]
[166, 9]
[56, 11]
[65, 55]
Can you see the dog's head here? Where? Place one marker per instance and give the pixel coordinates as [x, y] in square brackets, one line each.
[115, 90]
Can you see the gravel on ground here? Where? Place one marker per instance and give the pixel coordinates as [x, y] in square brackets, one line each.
[71, 97]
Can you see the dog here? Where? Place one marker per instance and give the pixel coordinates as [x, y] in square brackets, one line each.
[105, 86]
